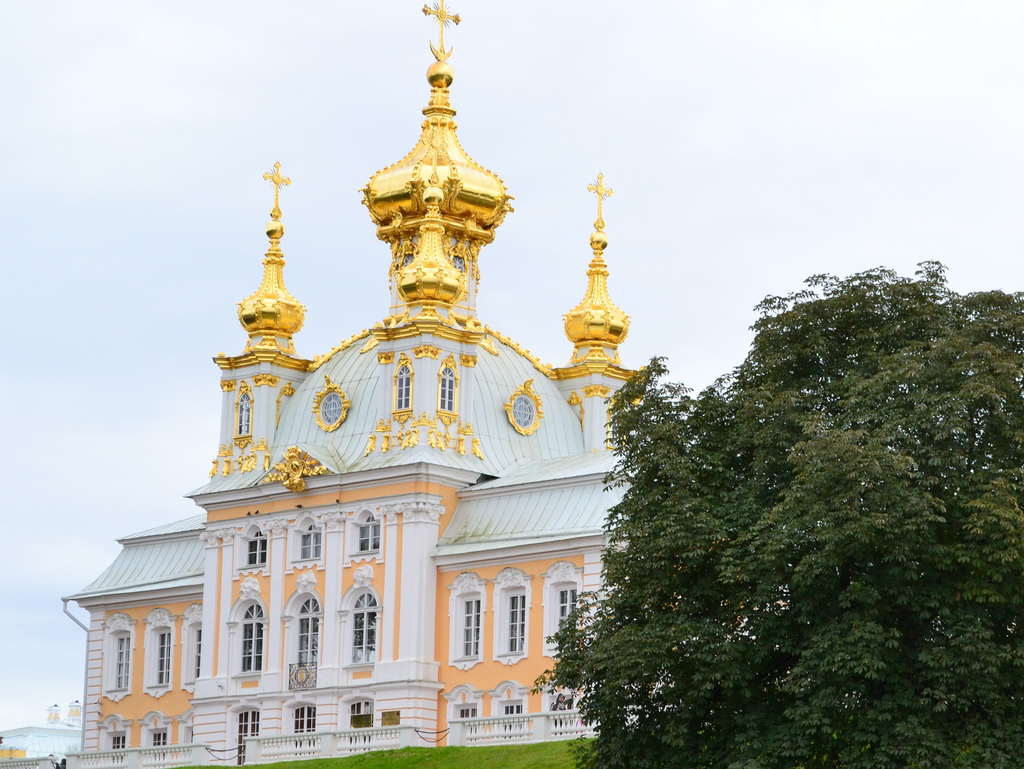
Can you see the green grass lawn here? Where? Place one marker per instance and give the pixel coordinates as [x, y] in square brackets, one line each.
[545, 755]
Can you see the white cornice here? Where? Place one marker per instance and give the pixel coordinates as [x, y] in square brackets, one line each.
[418, 472]
[509, 553]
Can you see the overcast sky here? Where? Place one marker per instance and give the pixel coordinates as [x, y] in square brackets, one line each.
[749, 145]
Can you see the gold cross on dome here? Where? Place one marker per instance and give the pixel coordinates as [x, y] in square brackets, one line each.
[602, 192]
[277, 181]
[443, 20]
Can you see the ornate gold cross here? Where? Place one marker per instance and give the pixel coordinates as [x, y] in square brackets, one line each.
[443, 20]
[277, 181]
[602, 192]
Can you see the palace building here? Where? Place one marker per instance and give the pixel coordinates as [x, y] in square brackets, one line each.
[391, 530]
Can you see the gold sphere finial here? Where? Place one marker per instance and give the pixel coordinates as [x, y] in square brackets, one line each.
[440, 74]
[433, 196]
[275, 230]
[598, 241]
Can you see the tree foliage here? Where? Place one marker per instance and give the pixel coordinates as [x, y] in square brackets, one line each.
[819, 560]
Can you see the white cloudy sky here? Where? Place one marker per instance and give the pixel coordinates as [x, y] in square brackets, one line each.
[749, 144]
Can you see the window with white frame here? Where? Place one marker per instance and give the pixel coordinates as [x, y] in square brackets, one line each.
[252, 639]
[364, 629]
[243, 425]
[508, 699]
[464, 702]
[304, 720]
[516, 623]
[122, 661]
[447, 382]
[192, 643]
[309, 632]
[256, 550]
[467, 607]
[562, 585]
[158, 738]
[403, 385]
[310, 542]
[159, 643]
[118, 648]
[163, 658]
[248, 726]
[360, 714]
[118, 741]
[369, 535]
[512, 615]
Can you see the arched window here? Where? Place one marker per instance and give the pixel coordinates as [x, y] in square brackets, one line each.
[446, 390]
[403, 388]
[244, 421]
[364, 629]
[360, 714]
[252, 639]
[309, 632]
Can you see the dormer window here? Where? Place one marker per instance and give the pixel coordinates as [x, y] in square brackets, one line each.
[403, 388]
[447, 387]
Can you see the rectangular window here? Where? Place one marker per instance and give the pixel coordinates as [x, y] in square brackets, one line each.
[252, 647]
[471, 628]
[305, 719]
[117, 742]
[513, 708]
[361, 715]
[248, 726]
[566, 604]
[309, 545]
[257, 552]
[198, 650]
[467, 711]
[369, 535]
[163, 658]
[160, 738]
[122, 663]
[516, 624]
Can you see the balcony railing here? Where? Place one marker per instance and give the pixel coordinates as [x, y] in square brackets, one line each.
[302, 675]
[286, 747]
[531, 727]
[141, 758]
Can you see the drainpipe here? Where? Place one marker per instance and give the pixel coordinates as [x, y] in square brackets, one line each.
[85, 674]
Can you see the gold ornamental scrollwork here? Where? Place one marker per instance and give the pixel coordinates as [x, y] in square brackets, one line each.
[426, 351]
[227, 385]
[330, 406]
[524, 409]
[469, 361]
[265, 379]
[295, 466]
[596, 391]
[286, 391]
[385, 357]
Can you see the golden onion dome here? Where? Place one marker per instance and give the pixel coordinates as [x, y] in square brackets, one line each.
[271, 311]
[430, 276]
[596, 322]
[474, 199]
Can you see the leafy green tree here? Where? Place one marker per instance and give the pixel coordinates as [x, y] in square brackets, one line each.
[819, 560]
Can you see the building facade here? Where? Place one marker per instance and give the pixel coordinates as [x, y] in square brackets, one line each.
[391, 530]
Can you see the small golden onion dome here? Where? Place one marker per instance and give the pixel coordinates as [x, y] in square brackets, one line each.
[470, 191]
[596, 321]
[272, 310]
[430, 276]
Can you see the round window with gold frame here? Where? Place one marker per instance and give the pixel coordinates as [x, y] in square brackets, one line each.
[330, 406]
[524, 409]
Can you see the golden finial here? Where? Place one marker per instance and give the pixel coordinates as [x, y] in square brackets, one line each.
[443, 20]
[277, 181]
[602, 192]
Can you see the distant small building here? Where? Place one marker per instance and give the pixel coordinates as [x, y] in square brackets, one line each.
[58, 737]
